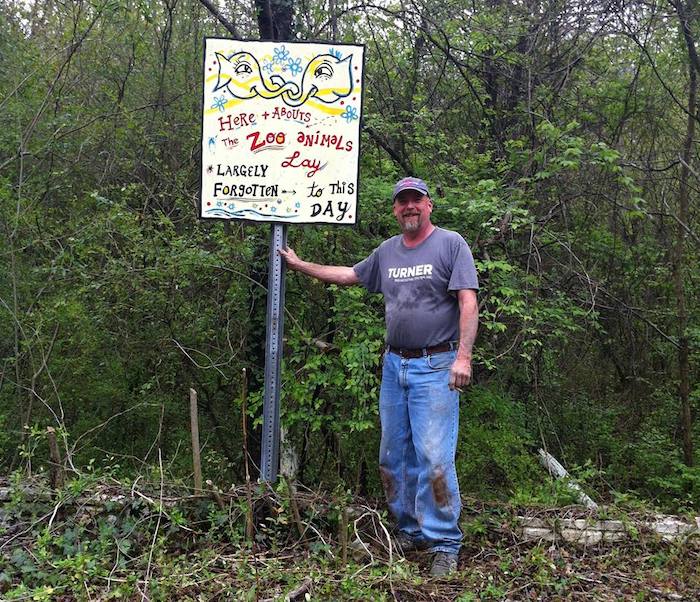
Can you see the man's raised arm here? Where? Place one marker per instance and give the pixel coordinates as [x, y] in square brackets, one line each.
[333, 274]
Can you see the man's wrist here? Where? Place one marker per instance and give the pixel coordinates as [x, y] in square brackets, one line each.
[304, 267]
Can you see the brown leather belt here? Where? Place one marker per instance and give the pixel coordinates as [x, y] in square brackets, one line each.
[420, 352]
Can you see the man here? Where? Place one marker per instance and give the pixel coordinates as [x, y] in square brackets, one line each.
[429, 283]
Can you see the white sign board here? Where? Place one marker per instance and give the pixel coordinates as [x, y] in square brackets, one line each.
[281, 131]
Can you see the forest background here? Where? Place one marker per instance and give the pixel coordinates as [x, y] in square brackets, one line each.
[559, 139]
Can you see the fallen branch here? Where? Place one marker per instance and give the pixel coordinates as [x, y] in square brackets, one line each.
[303, 588]
[558, 471]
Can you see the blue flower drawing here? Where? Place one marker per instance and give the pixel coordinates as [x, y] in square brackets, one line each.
[281, 55]
[349, 114]
[336, 53]
[294, 66]
[268, 66]
[219, 103]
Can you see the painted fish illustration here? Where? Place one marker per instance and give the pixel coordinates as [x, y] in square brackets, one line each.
[326, 78]
[241, 75]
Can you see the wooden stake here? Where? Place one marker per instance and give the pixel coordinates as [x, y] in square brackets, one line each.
[344, 535]
[194, 427]
[291, 491]
[56, 471]
[249, 525]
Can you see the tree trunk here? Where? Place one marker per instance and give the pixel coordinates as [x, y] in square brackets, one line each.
[275, 19]
[685, 12]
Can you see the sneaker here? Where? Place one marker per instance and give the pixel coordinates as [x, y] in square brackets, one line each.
[405, 543]
[444, 564]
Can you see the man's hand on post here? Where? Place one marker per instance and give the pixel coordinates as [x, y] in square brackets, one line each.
[291, 258]
[460, 374]
[333, 274]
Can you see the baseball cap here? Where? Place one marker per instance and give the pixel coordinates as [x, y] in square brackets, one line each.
[410, 183]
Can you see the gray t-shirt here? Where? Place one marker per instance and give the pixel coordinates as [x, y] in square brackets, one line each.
[418, 285]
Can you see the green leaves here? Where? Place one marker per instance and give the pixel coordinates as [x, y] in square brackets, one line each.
[555, 156]
[493, 453]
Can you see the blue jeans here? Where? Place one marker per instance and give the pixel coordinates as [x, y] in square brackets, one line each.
[420, 422]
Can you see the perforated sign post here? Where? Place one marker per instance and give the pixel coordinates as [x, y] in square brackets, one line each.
[280, 144]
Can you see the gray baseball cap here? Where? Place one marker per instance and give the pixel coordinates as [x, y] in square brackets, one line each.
[410, 183]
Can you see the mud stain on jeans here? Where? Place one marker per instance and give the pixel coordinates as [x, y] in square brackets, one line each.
[439, 485]
[388, 484]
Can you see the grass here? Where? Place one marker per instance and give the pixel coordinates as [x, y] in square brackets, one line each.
[100, 539]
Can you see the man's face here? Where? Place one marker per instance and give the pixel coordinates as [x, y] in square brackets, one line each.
[412, 209]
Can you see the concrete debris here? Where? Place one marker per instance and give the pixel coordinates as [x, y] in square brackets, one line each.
[589, 531]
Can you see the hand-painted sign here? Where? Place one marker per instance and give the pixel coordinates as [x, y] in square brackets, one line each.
[281, 131]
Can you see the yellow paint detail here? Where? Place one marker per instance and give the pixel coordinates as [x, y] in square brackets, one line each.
[336, 90]
[245, 86]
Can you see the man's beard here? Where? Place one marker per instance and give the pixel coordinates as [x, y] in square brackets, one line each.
[411, 223]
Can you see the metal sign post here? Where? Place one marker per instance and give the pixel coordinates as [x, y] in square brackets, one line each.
[269, 460]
